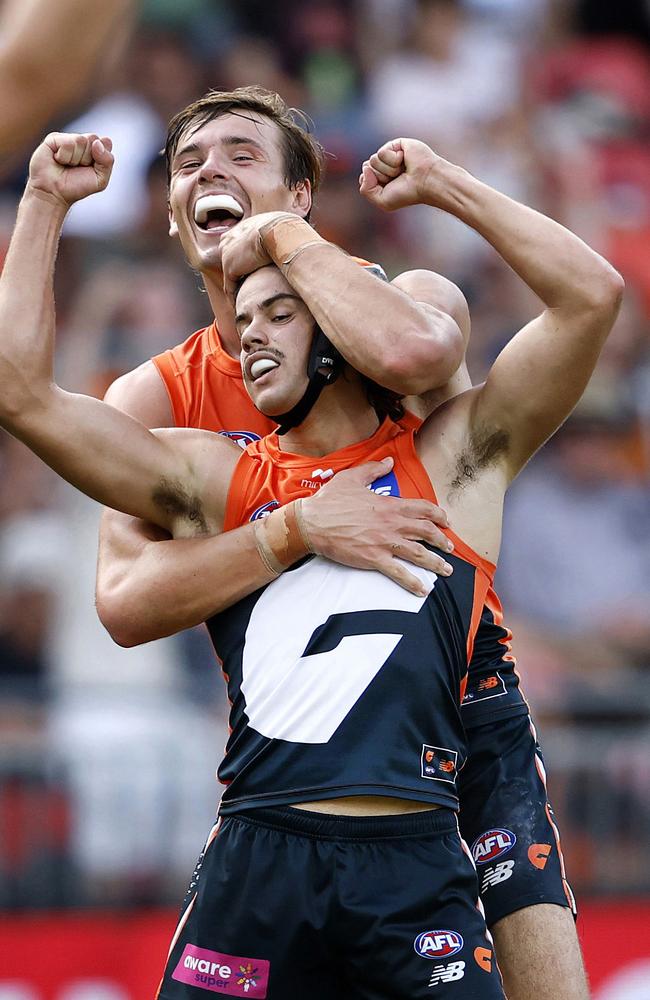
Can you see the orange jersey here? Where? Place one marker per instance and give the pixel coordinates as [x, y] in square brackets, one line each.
[205, 386]
[266, 477]
[206, 389]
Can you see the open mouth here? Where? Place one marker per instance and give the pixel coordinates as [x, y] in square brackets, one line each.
[217, 211]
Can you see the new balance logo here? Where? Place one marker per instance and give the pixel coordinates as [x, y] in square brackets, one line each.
[500, 873]
[447, 973]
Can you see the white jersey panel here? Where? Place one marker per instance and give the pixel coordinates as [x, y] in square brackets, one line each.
[304, 699]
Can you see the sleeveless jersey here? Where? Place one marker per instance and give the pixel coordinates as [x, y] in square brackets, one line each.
[206, 391]
[341, 682]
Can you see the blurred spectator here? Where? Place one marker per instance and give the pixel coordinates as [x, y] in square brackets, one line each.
[575, 566]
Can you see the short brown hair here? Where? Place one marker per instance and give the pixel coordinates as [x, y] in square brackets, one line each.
[303, 154]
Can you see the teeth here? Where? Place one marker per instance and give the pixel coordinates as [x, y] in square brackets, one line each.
[261, 366]
[211, 202]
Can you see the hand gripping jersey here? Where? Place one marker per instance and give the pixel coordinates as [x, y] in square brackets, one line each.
[341, 682]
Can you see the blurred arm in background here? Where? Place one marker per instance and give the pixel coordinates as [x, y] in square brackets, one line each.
[49, 51]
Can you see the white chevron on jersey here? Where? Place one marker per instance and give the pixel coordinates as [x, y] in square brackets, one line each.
[304, 699]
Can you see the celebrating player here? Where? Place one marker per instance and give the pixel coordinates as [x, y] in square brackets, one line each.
[149, 587]
[346, 689]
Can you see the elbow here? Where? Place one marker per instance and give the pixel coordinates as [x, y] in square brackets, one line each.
[119, 621]
[605, 292]
[427, 360]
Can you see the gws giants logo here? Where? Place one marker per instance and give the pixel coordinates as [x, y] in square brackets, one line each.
[242, 438]
[438, 944]
[264, 510]
[492, 844]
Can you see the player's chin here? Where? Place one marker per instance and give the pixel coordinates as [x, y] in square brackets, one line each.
[272, 401]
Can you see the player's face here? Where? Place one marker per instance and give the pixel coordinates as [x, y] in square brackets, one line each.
[276, 331]
[227, 170]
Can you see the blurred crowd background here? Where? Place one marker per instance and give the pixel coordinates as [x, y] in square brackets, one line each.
[107, 755]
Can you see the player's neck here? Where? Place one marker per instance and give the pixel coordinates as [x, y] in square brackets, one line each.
[223, 311]
[341, 416]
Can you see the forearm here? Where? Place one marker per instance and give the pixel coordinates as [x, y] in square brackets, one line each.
[174, 585]
[27, 301]
[557, 265]
[397, 341]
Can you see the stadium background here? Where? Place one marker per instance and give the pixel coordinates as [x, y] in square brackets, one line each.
[108, 755]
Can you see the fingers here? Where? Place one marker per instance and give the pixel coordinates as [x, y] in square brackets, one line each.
[418, 554]
[388, 161]
[369, 471]
[399, 573]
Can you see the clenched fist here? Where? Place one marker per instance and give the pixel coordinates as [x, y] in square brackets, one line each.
[69, 167]
[407, 172]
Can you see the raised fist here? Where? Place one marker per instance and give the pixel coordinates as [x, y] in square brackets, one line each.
[69, 167]
[404, 172]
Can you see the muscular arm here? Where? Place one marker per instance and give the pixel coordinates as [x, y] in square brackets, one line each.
[149, 586]
[540, 375]
[405, 344]
[47, 55]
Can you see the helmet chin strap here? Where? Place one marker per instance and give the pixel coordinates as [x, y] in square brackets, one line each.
[323, 354]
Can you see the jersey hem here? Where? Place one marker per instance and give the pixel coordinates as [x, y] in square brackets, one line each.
[231, 806]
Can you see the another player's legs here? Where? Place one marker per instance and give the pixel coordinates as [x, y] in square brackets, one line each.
[539, 954]
[509, 824]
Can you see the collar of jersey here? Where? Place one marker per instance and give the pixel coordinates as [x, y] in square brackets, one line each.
[344, 458]
[220, 357]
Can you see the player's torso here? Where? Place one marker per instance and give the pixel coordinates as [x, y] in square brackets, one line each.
[341, 682]
[206, 391]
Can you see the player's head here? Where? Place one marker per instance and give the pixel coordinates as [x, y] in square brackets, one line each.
[286, 360]
[233, 154]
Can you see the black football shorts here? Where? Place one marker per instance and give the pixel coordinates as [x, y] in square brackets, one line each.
[507, 821]
[290, 905]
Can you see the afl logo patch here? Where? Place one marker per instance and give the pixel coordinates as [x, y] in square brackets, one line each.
[264, 510]
[242, 438]
[438, 944]
[492, 844]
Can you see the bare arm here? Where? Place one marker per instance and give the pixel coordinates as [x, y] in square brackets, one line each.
[48, 53]
[403, 343]
[149, 586]
[540, 375]
[101, 451]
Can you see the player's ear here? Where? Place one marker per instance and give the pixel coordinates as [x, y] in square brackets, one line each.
[173, 228]
[301, 198]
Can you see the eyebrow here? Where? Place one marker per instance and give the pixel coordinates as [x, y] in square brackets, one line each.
[241, 317]
[227, 140]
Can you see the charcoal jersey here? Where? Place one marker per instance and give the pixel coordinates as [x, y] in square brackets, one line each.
[340, 681]
[206, 391]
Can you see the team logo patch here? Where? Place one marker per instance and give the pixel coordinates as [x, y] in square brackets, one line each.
[386, 486]
[438, 764]
[483, 958]
[438, 944]
[264, 510]
[538, 855]
[242, 438]
[492, 844]
[483, 688]
[230, 974]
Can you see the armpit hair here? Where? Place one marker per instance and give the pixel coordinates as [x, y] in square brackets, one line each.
[173, 498]
[482, 451]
